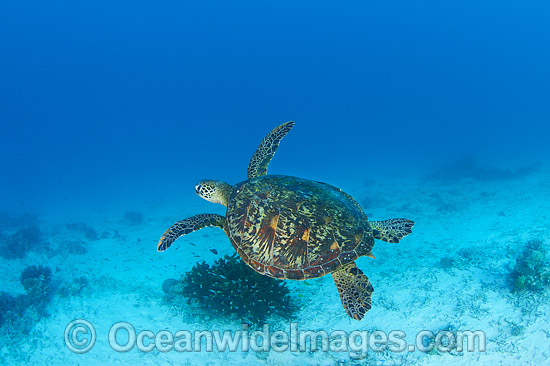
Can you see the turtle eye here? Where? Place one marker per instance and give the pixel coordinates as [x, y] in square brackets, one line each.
[197, 188]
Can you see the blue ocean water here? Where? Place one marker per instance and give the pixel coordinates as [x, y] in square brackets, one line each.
[415, 108]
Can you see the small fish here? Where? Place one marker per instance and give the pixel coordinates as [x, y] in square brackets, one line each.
[214, 251]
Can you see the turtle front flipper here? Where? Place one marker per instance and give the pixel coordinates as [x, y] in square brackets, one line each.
[355, 290]
[391, 230]
[187, 226]
[261, 158]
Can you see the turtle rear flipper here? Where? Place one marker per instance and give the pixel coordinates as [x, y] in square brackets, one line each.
[355, 290]
[188, 226]
[263, 155]
[391, 230]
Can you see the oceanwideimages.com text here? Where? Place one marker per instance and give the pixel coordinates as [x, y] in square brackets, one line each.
[80, 337]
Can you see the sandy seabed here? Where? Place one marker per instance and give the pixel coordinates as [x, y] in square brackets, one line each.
[452, 273]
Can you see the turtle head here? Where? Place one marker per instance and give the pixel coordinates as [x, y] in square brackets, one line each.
[214, 191]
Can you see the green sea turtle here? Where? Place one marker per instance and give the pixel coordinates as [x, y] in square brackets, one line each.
[293, 228]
